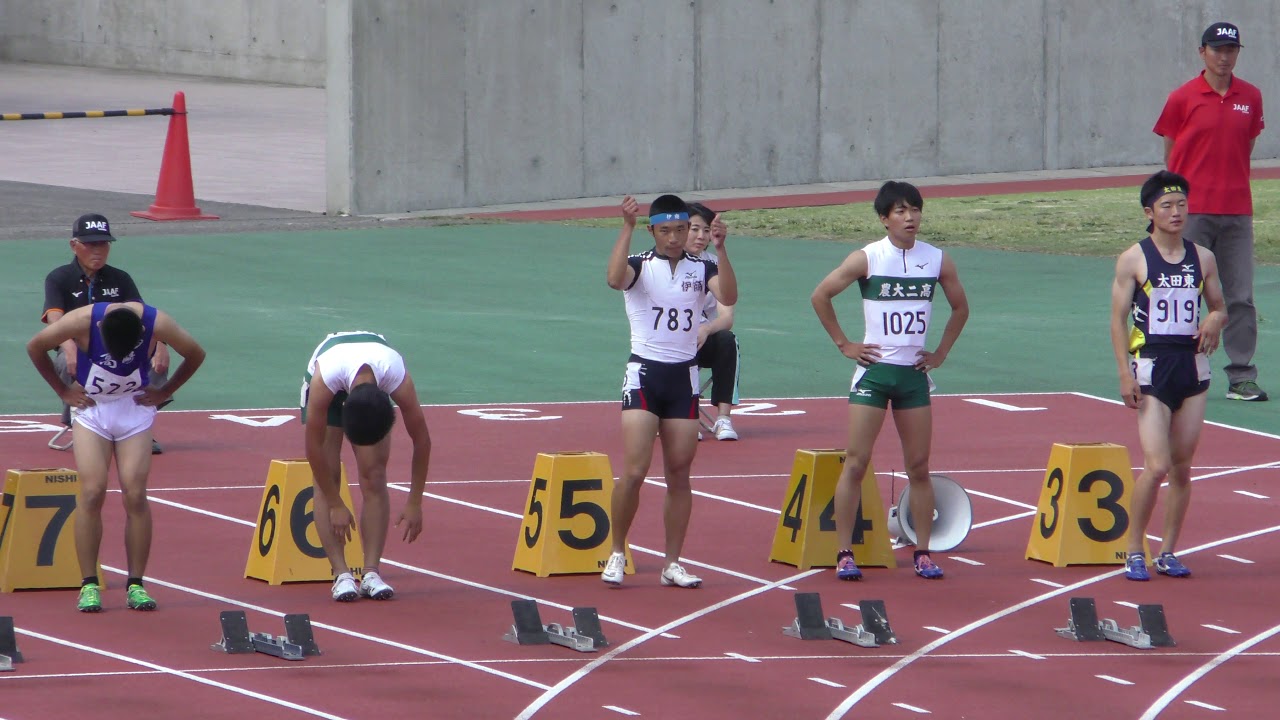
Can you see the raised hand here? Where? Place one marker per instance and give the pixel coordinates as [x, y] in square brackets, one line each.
[630, 209]
[718, 232]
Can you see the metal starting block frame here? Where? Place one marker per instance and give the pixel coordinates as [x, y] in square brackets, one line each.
[298, 642]
[1084, 626]
[584, 636]
[812, 624]
[278, 646]
[9, 653]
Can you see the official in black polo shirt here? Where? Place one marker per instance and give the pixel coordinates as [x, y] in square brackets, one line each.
[88, 279]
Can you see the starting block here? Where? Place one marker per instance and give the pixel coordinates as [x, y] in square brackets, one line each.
[296, 644]
[812, 624]
[297, 629]
[585, 636]
[53, 441]
[1084, 625]
[9, 653]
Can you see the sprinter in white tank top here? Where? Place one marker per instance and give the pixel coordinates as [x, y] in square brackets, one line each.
[897, 277]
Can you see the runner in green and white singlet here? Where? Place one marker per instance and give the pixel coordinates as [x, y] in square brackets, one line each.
[351, 383]
[897, 307]
[898, 278]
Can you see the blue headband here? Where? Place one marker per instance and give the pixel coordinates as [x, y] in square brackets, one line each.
[667, 217]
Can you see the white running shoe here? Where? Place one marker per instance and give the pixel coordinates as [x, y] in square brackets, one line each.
[344, 588]
[724, 429]
[614, 569]
[676, 575]
[372, 586]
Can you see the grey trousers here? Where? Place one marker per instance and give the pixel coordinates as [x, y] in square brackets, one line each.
[1230, 239]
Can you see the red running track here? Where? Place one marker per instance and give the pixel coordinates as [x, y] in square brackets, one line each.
[978, 644]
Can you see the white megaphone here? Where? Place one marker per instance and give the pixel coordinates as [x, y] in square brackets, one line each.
[952, 515]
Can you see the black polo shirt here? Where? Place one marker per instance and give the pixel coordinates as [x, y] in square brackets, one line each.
[67, 288]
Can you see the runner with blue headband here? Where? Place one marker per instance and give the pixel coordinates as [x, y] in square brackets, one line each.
[664, 289]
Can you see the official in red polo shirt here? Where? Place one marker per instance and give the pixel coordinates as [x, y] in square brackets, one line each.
[1209, 126]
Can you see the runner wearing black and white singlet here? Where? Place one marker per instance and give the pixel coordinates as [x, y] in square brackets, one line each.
[664, 306]
[1166, 320]
[664, 289]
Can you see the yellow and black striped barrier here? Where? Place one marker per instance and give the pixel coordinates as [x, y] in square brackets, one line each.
[136, 112]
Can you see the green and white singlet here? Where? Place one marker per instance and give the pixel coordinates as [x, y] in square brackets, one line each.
[897, 298]
[341, 355]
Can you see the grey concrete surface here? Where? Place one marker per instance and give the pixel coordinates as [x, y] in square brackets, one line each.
[567, 98]
[640, 93]
[279, 41]
[251, 143]
[264, 177]
[396, 136]
[38, 212]
[759, 93]
[446, 103]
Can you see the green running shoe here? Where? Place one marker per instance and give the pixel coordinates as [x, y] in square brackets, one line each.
[139, 599]
[90, 599]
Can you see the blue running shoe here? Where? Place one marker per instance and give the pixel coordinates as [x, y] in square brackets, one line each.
[1135, 567]
[846, 568]
[1169, 565]
[926, 568]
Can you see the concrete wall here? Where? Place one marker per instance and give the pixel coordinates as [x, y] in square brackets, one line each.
[280, 41]
[455, 103]
[440, 103]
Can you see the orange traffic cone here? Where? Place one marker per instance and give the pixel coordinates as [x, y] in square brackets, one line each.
[175, 195]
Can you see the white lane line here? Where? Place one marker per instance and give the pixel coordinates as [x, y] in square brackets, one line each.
[964, 560]
[178, 673]
[881, 677]
[740, 656]
[582, 672]
[851, 606]
[648, 659]
[411, 568]
[721, 498]
[935, 628]
[1235, 471]
[508, 593]
[197, 489]
[1050, 583]
[337, 629]
[1163, 701]
[473, 506]
[1025, 654]
[705, 566]
[1126, 603]
[1220, 629]
[1005, 519]
[617, 709]
[1000, 498]
[828, 683]
[1253, 495]
[1233, 558]
[1112, 679]
[912, 708]
[1214, 423]
[1001, 406]
[1205, 705]
[201, 511]
[636, 548]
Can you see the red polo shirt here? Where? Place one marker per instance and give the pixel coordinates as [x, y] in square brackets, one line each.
[1211, 136]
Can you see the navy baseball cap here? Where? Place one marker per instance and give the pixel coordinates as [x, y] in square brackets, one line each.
[92, 228]
[1219, 34]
